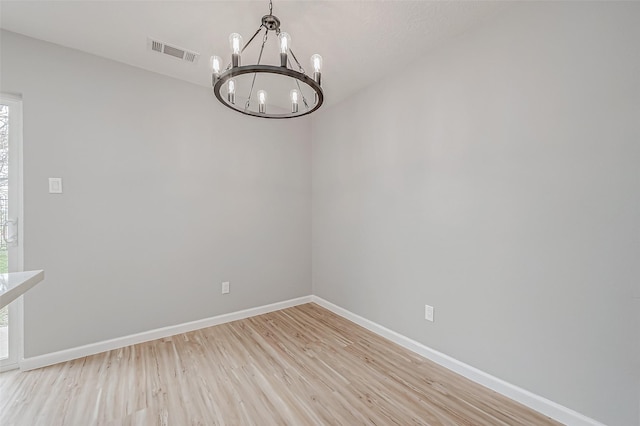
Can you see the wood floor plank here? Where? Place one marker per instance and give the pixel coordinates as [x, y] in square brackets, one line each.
[298, 366]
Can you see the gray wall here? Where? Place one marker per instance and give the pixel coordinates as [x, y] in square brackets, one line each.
[166, 195]
[498, 180]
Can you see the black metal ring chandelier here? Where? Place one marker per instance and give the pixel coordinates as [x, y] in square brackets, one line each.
[237, 82]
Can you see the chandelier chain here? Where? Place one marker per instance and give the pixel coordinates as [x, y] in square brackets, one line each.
[270, 7]
[264, 40]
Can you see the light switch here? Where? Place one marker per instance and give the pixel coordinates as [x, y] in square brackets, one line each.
[55, 185]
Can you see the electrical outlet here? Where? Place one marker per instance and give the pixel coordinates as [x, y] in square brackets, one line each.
[428, 313]
[225, 287]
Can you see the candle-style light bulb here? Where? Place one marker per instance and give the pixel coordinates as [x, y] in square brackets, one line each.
[316, 63]
[295, 95]
[231, 91]
[262, 101]
[235, 40]
[285, 43]
[216, 66]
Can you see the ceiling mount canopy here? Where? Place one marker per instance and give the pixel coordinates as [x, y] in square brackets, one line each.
[267, 91]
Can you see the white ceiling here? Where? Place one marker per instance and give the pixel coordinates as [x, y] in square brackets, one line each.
[361, 41]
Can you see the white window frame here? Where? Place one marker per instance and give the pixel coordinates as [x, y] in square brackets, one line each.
[16, 257]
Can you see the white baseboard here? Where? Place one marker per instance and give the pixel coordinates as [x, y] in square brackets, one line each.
[524, 397]
[159, 333]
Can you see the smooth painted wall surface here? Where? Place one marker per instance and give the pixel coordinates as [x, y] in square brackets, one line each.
[166, 195]
[498, 180]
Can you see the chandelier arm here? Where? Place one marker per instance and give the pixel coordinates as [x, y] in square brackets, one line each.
[297, 62]
[253, 82]
[251, 39]
[304, 99]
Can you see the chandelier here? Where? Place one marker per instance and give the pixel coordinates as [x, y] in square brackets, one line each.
[267, 91]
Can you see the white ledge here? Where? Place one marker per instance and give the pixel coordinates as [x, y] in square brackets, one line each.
[15, 284]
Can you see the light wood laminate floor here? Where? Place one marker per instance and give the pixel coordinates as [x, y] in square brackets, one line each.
[299, 366]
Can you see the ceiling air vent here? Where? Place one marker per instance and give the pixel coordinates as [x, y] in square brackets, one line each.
[176, 52]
